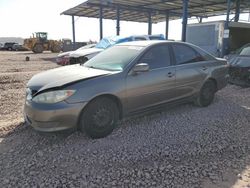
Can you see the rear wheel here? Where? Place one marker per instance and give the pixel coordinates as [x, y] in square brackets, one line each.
[38, 48]
[56, 49]
[99, 118]
[206, 95]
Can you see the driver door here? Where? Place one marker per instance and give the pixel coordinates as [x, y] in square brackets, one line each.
[157, 85]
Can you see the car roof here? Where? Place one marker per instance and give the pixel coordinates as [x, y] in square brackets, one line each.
[145, 43]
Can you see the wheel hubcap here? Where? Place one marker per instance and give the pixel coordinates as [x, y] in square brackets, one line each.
[102, 117]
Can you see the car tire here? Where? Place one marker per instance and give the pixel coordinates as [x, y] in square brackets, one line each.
[38, 48]
[206, 94]
[99, 118]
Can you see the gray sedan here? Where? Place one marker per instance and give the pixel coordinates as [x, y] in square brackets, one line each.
[121, 81]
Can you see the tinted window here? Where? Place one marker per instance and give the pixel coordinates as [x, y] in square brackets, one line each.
[157, 57]
[185, 54]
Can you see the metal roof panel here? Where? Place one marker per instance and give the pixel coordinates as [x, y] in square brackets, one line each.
[138, 10]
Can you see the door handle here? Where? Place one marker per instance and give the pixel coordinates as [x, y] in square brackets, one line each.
[204, 68]
[170, 75]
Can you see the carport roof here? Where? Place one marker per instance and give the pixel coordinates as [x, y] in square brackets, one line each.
[138, 10]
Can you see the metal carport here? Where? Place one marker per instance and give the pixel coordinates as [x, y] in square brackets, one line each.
[154, 11]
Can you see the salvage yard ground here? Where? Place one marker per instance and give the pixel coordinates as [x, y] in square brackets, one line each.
[185, 146]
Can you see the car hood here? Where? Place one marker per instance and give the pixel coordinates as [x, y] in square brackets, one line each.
[63, 76]
[240, 61]
[64, 54]
[83, 52]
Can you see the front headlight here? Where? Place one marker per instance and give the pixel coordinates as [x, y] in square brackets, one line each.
[53, 96]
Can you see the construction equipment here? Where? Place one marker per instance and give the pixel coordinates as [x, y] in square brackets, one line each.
[39, 43]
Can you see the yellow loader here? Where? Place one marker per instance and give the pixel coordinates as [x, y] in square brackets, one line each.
[40, 43]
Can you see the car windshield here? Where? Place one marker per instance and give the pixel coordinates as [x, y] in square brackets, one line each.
[115, 58]
[245, 51]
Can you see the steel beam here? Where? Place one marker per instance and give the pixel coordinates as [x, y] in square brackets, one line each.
[184, 20]
[200, 20]
[101, 22]
[228, 12]
[167, 25]
[118, 28]
[225, 47]
[149, 23]
[237, 11]
[132, 8]
[73, 32]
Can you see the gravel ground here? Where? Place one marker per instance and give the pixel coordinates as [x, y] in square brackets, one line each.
[184, 146]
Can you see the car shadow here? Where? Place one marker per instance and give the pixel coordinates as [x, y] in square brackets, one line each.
[51, 59]
[143, 133]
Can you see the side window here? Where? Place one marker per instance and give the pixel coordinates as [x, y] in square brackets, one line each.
[204, 55]
[184, 54]
[157, 57]
[139, 38]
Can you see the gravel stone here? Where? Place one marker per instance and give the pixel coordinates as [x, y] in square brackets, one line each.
[184, 146]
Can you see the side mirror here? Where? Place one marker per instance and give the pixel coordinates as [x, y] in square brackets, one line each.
[141, 67]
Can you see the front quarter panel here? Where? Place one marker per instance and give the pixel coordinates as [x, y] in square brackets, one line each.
[89, 89]
[219, 72]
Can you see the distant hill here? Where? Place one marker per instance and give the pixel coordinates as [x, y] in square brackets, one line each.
[11, 39]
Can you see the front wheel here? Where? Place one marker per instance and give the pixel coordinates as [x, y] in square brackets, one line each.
[99, 118]
[206, 95]
[38, 48]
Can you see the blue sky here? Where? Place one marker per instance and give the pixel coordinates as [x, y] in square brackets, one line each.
[20, 18]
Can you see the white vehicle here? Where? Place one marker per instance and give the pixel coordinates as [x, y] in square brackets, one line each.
[84, 54]
[63, 58]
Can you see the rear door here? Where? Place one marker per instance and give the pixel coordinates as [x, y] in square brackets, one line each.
[191, 70]
[155, 86]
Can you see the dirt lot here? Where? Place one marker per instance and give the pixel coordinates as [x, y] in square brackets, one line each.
[185, 146]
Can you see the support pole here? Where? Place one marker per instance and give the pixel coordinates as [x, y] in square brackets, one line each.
[184, 20]
[101, 22]
[167, 25]
[225, 47]
[74, 33]
[237, 11]
[118, 22]
[149, 23]
[228, 12]
[200, 21]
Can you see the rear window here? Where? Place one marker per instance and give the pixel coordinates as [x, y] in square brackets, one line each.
[139, 38]
[155, 38]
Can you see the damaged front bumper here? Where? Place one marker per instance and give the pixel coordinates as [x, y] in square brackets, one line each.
[239, 76]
